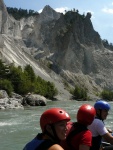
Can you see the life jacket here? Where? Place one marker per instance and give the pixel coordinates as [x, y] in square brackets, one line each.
[77, 129]
[38, 144]
[96, 143]
[45, 145]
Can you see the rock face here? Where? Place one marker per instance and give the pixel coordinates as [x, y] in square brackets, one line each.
[10, 103]
[8, 25]
[68, 43]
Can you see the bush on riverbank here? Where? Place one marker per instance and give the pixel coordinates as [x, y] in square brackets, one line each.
[107, 95]
[79, 93]
[7, 86]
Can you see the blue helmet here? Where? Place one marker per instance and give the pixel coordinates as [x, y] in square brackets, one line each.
[101, 104]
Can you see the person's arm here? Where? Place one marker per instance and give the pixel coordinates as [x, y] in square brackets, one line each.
[84, 147]
[109, 130]
[55, 147]
[108, 138]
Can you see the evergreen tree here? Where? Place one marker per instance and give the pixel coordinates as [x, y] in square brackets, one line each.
[30, 73]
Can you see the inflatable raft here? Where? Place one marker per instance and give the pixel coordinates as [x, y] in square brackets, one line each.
[107, 146]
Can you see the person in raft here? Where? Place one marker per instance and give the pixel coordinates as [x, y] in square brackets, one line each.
[98, 128]
[53, 123]
[78, 136]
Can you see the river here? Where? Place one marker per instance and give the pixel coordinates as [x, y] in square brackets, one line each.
[17, 127]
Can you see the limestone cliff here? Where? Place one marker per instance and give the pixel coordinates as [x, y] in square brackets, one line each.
[68, 43]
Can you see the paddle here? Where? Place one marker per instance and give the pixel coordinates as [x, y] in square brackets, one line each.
[107, 146]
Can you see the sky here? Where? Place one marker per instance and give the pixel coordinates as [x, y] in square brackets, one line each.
[101, 10]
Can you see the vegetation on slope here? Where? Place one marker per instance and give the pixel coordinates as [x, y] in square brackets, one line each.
[24, 81]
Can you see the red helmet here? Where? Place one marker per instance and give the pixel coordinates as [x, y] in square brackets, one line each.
[52, 116]
[86, 114]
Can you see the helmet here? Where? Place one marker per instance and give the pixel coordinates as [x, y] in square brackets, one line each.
[52, 116]
[86, 114]
[101, 104]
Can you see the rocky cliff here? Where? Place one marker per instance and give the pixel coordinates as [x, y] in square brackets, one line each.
[61, 48]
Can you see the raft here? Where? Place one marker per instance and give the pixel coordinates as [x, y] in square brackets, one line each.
[107, 146]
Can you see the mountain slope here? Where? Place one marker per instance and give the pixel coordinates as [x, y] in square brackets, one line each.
[60, 48]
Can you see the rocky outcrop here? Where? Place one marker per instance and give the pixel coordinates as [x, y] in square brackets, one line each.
[34, 100]
[8, 25]
[10, 103]
[16, 101]
[68, 43]
[3, 94]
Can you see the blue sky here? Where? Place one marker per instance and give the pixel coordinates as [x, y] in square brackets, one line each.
[102, 11]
